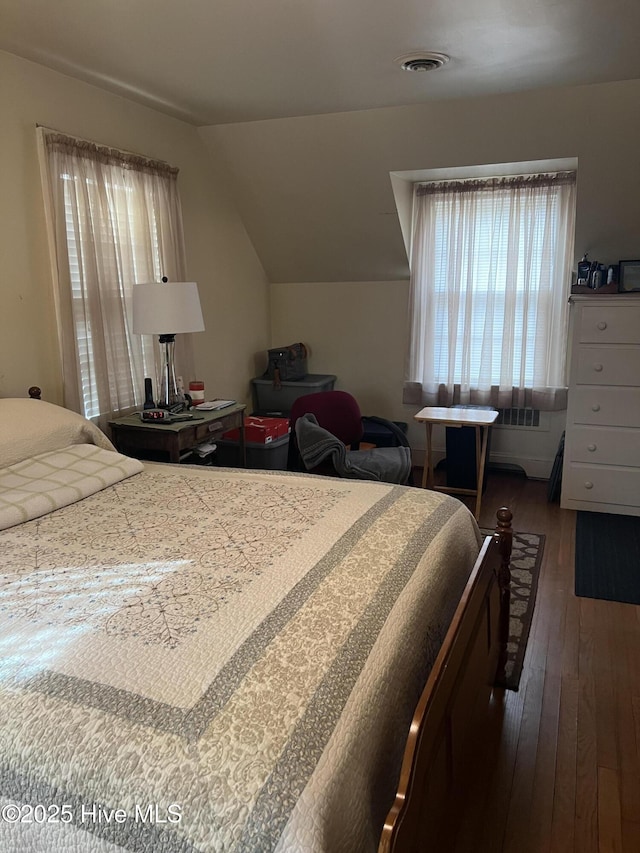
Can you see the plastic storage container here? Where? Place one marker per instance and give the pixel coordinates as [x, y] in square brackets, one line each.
[271, 400]
[271, 456]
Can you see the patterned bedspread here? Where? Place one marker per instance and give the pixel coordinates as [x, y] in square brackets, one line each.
[208, 660]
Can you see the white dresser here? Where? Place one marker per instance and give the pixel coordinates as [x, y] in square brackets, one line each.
[601, 470]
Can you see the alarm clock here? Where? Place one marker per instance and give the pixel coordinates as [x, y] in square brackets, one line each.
[166, 416]
[156, 415]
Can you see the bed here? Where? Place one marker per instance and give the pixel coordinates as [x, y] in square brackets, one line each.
[225, 660]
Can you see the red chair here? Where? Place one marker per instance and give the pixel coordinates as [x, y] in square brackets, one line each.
[337, 412]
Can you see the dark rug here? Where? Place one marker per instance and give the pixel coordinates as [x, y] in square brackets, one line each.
[608, 557]
[526, 557]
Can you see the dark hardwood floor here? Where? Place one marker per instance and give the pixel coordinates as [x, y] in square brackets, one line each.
[560, 769]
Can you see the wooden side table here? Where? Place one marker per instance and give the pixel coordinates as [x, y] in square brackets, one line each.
[478, 418]
[135, 437]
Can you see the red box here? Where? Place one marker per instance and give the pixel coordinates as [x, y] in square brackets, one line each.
[260, 430]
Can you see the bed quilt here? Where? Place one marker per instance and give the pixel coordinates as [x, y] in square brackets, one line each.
[197, 660]
[51, 480]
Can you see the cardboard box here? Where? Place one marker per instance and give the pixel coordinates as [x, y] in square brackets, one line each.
[260, 430]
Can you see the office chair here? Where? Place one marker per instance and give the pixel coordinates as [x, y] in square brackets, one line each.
[339, 414]
[336, 411]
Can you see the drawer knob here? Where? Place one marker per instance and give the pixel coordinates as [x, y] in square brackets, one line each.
[595, 407]
[597, 368]
[602, 325]
[592, 447]
[588, 484]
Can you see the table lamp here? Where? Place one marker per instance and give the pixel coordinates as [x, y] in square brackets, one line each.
[167, 308]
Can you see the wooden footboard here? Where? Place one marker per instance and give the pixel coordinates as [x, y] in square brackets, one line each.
[454, 706]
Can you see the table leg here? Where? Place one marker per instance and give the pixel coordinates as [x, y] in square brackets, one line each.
[481, 458]
[427, 472]
[242, 447]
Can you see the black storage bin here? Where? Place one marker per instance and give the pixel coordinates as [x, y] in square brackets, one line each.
[461, 454]
[270, 457]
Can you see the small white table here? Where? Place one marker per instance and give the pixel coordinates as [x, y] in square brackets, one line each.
[481, 419]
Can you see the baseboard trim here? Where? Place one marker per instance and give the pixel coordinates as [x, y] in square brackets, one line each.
[535, 469]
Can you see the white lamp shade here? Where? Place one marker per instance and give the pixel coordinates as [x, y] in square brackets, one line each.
[166, 308]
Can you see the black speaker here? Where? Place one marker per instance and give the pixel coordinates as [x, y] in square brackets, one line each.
[461, 454]
[148, 395]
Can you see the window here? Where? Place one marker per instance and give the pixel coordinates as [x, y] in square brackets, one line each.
[490, 271]
[114, 221]
[142, 357]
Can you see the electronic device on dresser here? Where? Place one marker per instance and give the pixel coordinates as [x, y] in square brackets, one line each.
[167, 415]
[601, 469]
[148, 394]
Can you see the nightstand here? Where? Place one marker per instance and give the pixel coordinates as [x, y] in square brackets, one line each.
[138, 438]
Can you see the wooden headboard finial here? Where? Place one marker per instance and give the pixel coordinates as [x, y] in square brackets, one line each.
[35, 392]
[505, 516]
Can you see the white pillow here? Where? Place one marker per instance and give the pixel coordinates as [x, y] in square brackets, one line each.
[29, 427]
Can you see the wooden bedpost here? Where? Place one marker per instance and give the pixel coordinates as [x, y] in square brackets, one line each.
[504, 537]
[35, 392]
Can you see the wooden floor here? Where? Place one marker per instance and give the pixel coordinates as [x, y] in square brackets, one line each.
[560, 770]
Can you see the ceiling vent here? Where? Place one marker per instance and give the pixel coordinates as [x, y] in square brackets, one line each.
[423, 61]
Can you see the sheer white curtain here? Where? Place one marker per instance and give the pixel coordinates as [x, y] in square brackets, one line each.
[490, 276]
[114, 219]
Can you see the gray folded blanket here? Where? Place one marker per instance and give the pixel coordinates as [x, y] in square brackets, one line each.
[386, 464]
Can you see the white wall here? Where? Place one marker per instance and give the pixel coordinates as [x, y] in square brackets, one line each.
[355, 312]
[220, 256]
[315, 192]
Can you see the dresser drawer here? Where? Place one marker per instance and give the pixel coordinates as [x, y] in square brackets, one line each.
[608, 366]
[599, 484]
[214, 429]
[602, 406]
[604, 446]
[609, 324]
